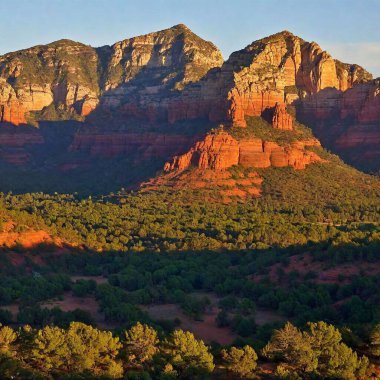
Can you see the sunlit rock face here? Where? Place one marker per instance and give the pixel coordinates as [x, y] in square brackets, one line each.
[173, 76]
[220, 151]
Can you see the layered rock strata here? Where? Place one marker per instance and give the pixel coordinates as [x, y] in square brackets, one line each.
[222, 151]
[13, 145]
[173, 75]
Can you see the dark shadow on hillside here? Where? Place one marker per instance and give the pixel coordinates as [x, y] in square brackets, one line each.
[41, 159]
[322, 113]
[271, 277]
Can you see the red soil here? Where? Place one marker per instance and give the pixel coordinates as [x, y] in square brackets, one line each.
[325, 272]
[206, 329]
[89, 304]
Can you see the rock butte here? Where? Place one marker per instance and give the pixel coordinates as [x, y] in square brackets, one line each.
[221, 151]
[174, 76]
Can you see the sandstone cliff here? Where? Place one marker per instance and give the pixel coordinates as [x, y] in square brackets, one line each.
[281, 118]
[347, 122]
[63, 73]
[132, 74]
[277, 69]
[220, 150]
[13, 145]
[170, 76]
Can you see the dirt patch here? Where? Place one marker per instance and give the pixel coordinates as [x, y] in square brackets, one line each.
[89, 304]
[28, 238]
[98, 279]
[13, 308]
[263, 316]
[206, 329]
[324, 272]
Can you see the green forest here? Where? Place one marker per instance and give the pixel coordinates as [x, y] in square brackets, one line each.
[306, 253]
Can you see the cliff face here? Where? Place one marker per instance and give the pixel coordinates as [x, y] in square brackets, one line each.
[132, 76]
[277, 69]
[347, 122]
[172, 76]
[142, 71]
[220, 150]
[13, 144]
[62, 74]
[281, 118]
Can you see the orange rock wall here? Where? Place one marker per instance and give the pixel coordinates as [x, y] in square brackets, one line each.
[222, 151]
[281, 119]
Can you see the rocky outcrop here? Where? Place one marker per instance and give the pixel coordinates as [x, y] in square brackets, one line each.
[224, 167]
[277, 69]
[144, 74]
[221, 151]
[63, 73]
[168, 59]
[215, 151]
[281, 119]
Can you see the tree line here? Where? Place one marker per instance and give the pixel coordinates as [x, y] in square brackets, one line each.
[83, 352]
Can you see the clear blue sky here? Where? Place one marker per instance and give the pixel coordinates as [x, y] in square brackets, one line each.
[348, 29]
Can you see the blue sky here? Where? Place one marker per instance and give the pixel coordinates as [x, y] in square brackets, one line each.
[348, 29]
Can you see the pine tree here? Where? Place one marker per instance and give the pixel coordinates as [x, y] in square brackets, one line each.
[189, 357]
[375, 340]
[290, 345]
[7, 339]
[141, 344]
[240, 361]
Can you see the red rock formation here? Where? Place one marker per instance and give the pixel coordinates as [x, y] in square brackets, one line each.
[347, 121]
[174, 75]
[281, 119]
[216, 185]
[209, 159]
[216, 151]
[13, 142]
[221, 151]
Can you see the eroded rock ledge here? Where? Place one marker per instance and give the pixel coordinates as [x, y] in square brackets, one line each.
[221, 151]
